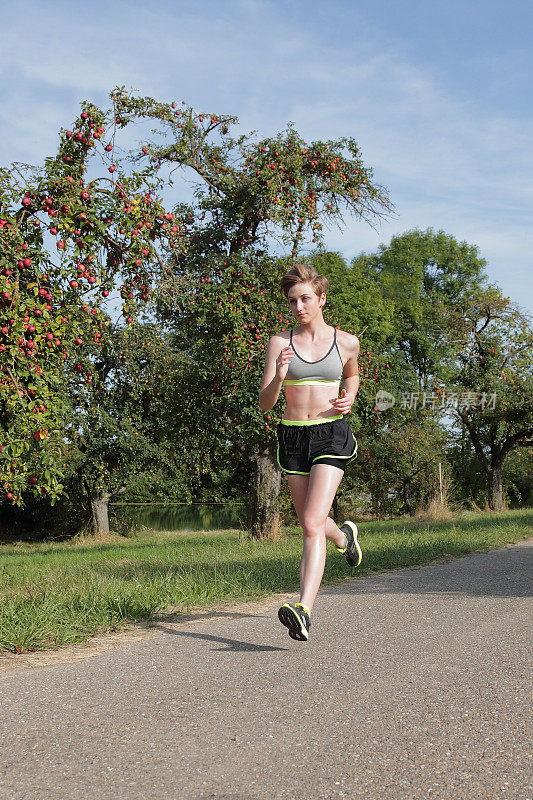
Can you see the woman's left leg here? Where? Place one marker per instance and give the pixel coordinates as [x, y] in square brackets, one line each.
[324, 481]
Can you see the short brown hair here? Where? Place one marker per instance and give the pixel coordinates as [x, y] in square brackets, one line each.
[304, 273]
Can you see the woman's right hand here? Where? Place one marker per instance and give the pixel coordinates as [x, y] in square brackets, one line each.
[282, 362]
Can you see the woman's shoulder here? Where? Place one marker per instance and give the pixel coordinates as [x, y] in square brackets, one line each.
[278, 341]
[348, 341]
[281, 337]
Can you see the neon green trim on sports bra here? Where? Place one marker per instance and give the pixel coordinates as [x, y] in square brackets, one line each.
[311, 382]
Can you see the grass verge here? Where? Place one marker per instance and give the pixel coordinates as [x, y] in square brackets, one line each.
[60, 593]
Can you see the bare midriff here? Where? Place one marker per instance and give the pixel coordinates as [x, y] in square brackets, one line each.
[310, 402]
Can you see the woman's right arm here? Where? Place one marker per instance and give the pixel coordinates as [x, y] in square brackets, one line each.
[277, 360]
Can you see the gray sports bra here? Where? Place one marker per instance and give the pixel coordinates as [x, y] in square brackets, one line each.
[326, 371]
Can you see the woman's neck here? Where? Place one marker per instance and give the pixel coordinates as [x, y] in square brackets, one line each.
[314, 329]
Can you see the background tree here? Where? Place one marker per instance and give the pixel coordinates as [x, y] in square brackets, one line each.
[247, 193]
[423, 273]
[398, 446]
[493, 382]
[221, 324]
[420, 275]
[518, 477]
[124, 441]
[121, 442]
[71, 232]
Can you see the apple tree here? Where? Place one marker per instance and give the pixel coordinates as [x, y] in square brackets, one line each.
[73, 231]
[222, 323]
[221, 291]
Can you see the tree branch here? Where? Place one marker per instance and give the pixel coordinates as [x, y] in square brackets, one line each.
[238, 443]
[474, 438]
[510, 443]
[117, 491]
[18, 389]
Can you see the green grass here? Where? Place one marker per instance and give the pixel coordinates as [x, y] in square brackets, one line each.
[53, 594]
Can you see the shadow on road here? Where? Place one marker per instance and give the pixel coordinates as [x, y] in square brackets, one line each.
[196, 616]
[233, 645]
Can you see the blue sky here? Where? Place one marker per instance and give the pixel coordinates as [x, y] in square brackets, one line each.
[436, 93]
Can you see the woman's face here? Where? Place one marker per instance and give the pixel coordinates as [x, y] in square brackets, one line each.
[304, 303]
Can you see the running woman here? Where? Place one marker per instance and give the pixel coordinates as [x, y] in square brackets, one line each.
[315, 442]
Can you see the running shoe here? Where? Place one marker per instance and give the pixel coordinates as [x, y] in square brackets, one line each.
[297, 619]
[351, 550]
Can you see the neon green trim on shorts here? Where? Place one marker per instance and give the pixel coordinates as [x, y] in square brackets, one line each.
[332, 456]
[310, 421]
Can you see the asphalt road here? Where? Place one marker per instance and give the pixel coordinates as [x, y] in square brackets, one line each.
[415, 684]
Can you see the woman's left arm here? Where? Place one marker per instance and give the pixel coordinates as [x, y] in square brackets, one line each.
[350, 375]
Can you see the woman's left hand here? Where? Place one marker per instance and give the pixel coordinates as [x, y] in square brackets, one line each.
[343, 404]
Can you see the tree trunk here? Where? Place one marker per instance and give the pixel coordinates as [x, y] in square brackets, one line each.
[265, 516]
[375, 503]
[495, 486]
[100, 515]
[407, 500]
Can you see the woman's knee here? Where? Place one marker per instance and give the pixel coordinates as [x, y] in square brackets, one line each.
[313, 525]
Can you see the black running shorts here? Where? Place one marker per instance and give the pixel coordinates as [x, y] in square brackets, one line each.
[302, 444]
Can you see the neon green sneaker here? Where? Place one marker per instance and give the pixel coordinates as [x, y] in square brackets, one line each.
[352, 549]
[297, 619]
